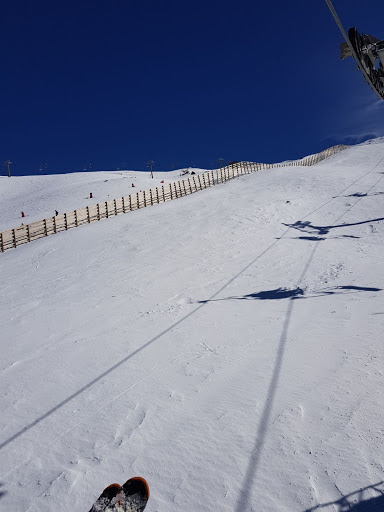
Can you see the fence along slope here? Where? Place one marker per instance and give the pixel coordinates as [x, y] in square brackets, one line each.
[27, 233]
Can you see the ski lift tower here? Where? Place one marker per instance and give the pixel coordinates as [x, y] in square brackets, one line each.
[7, 165]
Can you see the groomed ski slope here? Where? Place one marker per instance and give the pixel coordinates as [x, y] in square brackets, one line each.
[232, 359]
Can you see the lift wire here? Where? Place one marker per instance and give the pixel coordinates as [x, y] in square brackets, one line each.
[354, 54]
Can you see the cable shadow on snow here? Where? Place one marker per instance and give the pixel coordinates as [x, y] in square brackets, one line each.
[133, 354]
[254, 460]
[297, 293]
[358, 501]
[262, 430]
[244, 499]
[308, 227]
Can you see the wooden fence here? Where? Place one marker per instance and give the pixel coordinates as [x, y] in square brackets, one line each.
[62, 222]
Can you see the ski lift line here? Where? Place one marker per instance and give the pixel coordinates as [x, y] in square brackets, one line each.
[338, 22]
[354, 54]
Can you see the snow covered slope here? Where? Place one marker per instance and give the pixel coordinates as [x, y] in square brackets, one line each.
[39, 196]
[227, 346]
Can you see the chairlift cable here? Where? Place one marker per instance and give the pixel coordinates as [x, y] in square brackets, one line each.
[353, 51]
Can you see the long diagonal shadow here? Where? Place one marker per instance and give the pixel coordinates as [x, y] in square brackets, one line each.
[130, 356]
[254, 461]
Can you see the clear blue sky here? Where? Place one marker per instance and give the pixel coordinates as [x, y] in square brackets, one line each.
[121, 82]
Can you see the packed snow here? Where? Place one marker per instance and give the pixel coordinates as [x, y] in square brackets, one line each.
[227, 346]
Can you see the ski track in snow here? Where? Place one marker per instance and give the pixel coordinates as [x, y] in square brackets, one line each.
[226, 346]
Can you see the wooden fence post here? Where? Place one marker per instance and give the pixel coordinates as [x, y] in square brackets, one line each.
[88, 217]
[170, 189]
[157, 195]
[123, 202]
[106, 210]
[75, 212]
[114, 201]
[130, 202]
[65, 221]
[98, 211]
[150, 194]
[2, 242]
[45, 227]
[162, 186]
[138, 201]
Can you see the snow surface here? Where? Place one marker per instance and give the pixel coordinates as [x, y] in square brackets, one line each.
[39, 196]
[227, 346]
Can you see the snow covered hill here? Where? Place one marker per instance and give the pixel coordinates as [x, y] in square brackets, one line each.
[227, 346]
[39, 196]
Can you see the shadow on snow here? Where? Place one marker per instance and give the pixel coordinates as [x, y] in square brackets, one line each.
[320, 239]
[245, 496]
[2, 493]
[124, 360]
[296, 293]
[279, 293]
[357, 501]
[308, 227]
[361, 194]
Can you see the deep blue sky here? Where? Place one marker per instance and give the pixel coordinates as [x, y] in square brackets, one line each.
[120, 82]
